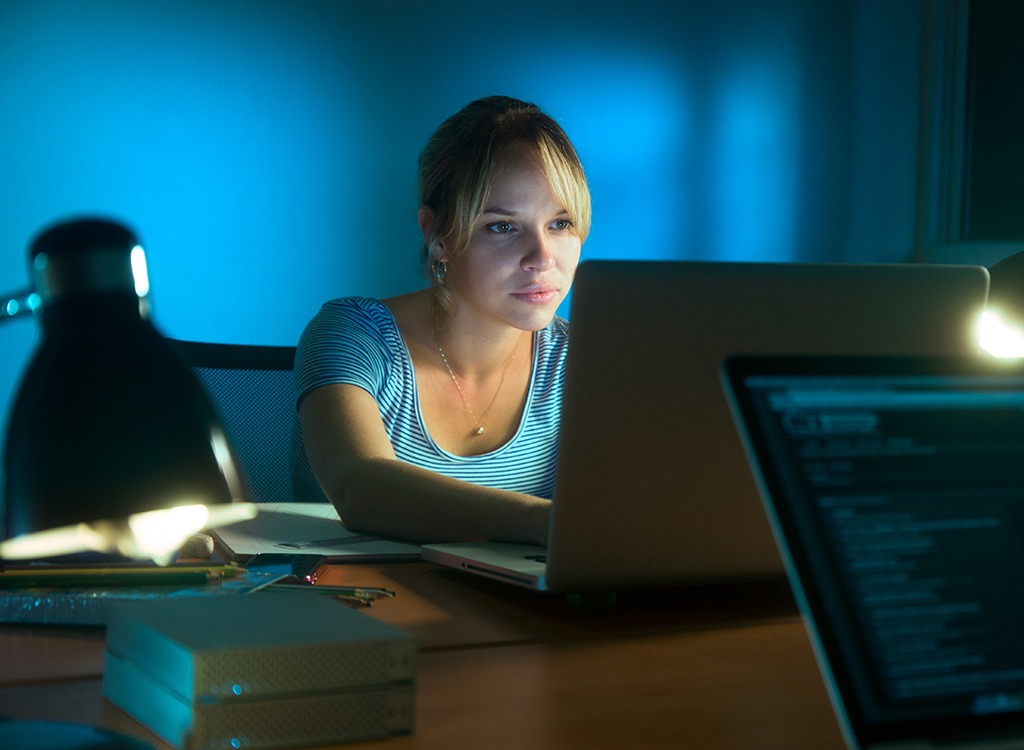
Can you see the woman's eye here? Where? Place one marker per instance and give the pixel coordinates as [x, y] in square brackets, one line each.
[501, 227]
[562, 224]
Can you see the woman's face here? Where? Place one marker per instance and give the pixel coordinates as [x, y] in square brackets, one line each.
[522, 254]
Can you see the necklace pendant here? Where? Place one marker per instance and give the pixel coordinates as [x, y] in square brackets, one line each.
[479, 430]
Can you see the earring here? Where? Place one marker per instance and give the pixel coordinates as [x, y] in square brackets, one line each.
[439, 272]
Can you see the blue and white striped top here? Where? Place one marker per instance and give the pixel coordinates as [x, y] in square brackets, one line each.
[355, 340]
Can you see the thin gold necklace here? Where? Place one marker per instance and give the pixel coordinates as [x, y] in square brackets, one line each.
[451, 373]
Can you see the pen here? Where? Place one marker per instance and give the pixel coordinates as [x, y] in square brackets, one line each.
[353, 592]
[357, 591]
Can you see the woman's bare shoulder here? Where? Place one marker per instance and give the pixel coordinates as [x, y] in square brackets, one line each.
[412, 313]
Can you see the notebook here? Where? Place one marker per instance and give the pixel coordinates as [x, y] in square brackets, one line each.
[652, 486]
[896, 493]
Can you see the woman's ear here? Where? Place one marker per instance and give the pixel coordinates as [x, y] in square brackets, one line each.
[426, 217]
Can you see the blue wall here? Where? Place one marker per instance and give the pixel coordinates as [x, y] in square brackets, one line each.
[265, 150]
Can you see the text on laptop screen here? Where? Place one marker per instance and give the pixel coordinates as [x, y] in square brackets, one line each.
[902, 502]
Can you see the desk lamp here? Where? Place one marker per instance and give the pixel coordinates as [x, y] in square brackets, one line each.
[1001, 329]
[113, 450]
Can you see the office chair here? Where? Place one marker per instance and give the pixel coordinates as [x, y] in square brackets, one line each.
[251, 388]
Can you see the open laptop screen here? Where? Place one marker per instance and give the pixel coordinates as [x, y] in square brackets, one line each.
[896, 492]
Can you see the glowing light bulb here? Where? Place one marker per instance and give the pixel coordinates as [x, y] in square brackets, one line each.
[999, 337]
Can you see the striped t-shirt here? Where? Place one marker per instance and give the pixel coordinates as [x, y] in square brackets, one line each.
[355, 340]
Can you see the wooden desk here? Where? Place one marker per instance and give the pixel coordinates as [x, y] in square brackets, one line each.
[726, 667]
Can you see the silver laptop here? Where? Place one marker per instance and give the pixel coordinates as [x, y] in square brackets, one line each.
[652, 486]
[896, 492]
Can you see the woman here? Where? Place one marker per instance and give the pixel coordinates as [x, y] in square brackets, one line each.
[433, 416]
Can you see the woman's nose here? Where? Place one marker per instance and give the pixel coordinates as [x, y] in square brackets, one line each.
[539, 255]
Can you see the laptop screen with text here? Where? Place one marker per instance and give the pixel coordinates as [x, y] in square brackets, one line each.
[896, 492]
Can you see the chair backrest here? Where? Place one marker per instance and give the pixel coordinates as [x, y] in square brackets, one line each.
[251, 388]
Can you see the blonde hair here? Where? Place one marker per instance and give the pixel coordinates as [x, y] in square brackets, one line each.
[458, 163]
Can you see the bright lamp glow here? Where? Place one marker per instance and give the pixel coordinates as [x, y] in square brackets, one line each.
[155, 535]
[140, 272]
[1000, 337]
[158, 533]
[51, 542]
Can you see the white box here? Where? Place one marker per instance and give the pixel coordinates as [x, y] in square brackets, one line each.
[259, 671]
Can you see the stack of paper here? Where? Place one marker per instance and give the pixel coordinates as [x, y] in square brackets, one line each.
[259, 671]
[307, 529]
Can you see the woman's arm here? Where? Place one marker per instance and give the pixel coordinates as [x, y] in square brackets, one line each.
[352, 458]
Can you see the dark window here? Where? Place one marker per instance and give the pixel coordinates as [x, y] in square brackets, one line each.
[993, 207]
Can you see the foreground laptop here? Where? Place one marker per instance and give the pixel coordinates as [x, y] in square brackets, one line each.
[652, 487]
[895, 488]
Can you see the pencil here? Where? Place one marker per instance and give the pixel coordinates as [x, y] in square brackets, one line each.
[94, 577]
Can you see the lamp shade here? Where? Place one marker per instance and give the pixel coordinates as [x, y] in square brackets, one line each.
[108, 421]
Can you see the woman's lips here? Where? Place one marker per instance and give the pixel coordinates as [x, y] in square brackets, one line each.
[536, 295]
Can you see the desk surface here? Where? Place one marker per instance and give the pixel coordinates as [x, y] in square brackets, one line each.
[714, 667]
